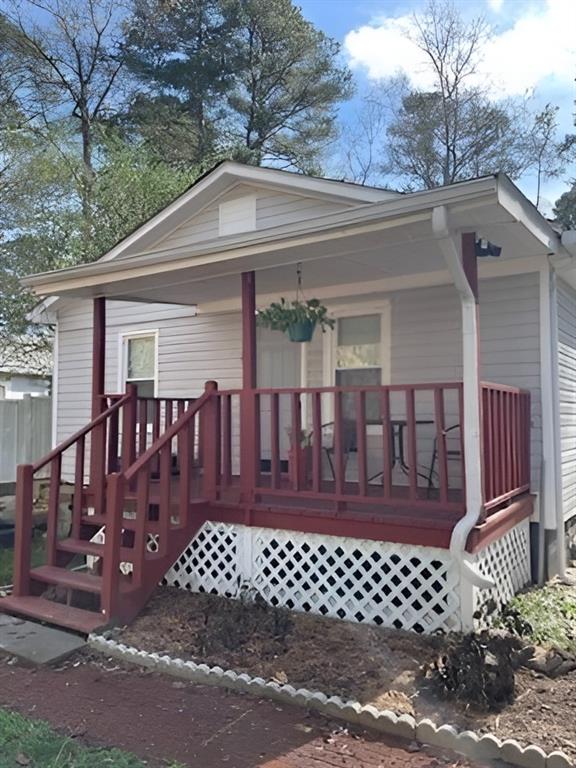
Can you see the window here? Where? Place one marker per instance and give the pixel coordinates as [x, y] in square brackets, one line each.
[139, 354]
[358, 360]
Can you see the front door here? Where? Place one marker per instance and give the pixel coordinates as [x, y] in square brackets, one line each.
[278, 366]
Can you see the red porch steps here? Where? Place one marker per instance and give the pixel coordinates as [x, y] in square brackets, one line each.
[62, 577]
[59, 614]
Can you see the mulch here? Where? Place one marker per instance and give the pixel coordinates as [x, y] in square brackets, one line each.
[103, 703]
[372, 665]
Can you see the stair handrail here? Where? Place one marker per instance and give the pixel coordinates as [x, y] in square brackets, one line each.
[168, 435]
[65, 444]
[118, 483]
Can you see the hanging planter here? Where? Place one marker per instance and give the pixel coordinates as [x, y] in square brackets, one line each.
[302, 331]
[297, 318]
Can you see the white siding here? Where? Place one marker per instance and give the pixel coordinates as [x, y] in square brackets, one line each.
[191, 350]
[425, 347]
[273, 209]
[567, 394]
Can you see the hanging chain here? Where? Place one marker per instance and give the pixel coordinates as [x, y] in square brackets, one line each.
[299, 292]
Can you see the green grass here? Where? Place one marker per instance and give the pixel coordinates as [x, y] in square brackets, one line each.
[7, 558]
[550, 614]
[33, 743]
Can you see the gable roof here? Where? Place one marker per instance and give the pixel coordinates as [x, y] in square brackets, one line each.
[225, 177]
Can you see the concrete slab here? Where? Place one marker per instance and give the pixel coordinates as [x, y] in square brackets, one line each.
[36, 643]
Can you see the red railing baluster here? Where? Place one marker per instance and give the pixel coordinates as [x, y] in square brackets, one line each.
[412, 446]
[226, 441]
[439, 418]
[361, 443]
[142, 425]
[23, 529]
[338, 446]
[210, 440]
[129, 418]
[78, 500]
[141, 524]
[275, 440]
[165, 498]
[387, 446]
[53, 504]
[169, 413]
[110, 596]
[317, 442]
[113, 437]
[296, 442]
[185, 464]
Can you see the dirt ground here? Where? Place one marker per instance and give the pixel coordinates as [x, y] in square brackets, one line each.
[372, 665]
[103, 703]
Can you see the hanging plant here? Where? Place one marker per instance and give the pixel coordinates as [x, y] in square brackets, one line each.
[297, 318]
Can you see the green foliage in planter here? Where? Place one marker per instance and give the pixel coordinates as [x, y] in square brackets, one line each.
[281, 315]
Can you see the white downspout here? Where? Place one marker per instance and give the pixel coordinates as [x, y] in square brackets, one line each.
[472, 426]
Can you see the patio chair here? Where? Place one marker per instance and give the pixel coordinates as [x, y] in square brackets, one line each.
[349, 442]
[452, 454]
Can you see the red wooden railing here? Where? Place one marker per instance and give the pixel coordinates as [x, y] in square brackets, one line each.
[506, 443]
[108, 444]
[356, 444]
[99, 438]
[399, 445]
[159, 488]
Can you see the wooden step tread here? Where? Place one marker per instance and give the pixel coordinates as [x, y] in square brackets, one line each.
[81, 547]
[53, 613]
[49, 574]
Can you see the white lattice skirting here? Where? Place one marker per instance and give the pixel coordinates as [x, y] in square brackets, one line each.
[393, 585]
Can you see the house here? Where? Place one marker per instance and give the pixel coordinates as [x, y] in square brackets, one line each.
[401, 469]
[24, 370]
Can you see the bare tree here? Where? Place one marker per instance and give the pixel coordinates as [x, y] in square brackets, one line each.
[454, 129]
[73, 59]
[549, 156]
[361, 143]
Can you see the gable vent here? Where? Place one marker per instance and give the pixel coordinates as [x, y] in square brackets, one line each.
[237, 215]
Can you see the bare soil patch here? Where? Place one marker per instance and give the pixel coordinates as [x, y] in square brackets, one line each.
[383, 667]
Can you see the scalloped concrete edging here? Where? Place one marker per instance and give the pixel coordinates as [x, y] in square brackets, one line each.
[468, 743]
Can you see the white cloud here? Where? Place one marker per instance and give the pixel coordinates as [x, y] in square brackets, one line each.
[495, 5]
[540, 44]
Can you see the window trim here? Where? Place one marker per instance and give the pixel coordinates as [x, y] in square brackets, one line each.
[123, 339]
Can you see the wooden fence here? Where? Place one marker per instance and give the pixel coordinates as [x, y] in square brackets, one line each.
[25, 433]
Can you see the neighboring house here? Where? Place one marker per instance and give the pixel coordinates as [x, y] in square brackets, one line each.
[23, 372]
[437, 452]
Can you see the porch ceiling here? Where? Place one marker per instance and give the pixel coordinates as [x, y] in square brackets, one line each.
[375, 248]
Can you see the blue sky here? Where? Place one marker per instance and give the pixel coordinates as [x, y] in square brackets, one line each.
[532, 49]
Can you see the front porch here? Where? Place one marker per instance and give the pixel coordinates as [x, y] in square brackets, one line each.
[429, 479]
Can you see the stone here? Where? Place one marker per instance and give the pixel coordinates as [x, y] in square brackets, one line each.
[533, 757]
[36, 643]
[558, 760]
[468, 743]
[511, 751]
[425, 731]
[406, 726]
[445, 737]
[552, 662]
[489, 747]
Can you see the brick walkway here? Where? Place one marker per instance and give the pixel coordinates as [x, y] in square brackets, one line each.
[162, 720]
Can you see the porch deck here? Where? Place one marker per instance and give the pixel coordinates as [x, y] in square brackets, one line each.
[148, 474]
